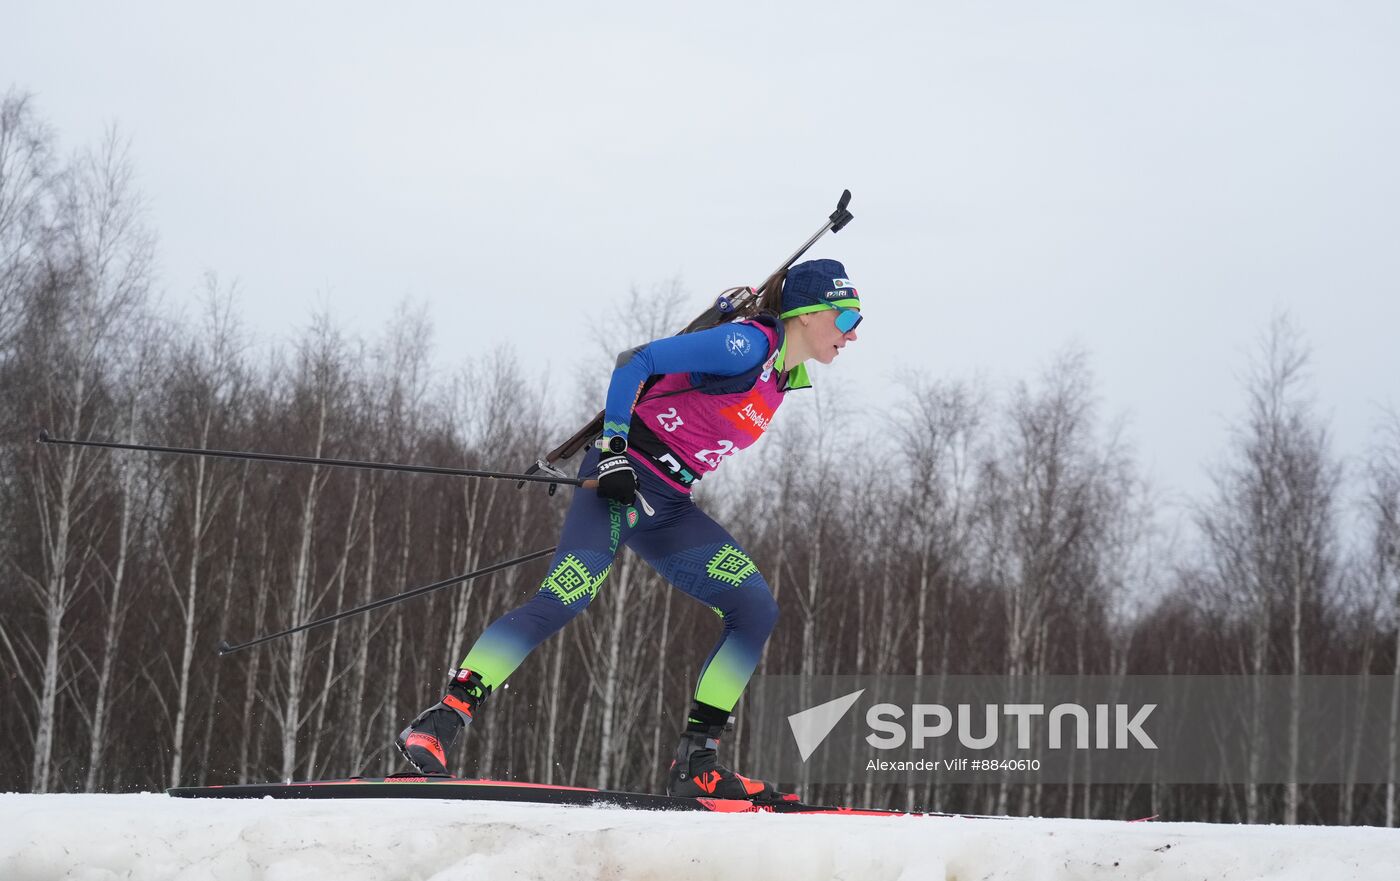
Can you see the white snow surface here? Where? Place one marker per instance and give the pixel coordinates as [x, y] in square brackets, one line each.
[152, 836]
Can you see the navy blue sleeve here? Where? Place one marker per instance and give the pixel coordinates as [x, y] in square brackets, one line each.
[727, 350]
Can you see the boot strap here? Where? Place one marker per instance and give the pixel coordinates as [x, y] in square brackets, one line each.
[462, 707]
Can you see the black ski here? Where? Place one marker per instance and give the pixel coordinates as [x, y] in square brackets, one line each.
[406, 786]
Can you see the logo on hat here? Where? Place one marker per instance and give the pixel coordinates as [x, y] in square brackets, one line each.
[844, 290]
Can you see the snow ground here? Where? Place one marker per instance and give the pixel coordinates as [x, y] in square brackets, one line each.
[152, 836]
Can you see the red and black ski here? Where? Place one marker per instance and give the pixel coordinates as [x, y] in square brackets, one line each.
[405, 786]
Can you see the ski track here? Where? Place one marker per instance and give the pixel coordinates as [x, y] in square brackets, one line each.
[152, 836]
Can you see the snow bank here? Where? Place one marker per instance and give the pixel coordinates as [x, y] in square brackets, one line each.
[151, 836]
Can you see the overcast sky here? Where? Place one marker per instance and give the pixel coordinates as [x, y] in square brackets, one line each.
[1151, 181]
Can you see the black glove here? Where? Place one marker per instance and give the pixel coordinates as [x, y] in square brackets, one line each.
[616, 479]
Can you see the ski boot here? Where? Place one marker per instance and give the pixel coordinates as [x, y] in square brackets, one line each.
[696, 771]
[428, 738]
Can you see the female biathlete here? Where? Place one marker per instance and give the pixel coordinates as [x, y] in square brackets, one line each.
[718, 391]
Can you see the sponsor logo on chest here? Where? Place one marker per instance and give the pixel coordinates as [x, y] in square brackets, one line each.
[755, 416]
[752, 413]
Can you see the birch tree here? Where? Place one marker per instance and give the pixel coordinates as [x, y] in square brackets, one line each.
[94, 287]
[204, 397]
[134, 488]
[937, 436]
[27, 197]
[1269, 534]
[316, 397]
[1052, 493]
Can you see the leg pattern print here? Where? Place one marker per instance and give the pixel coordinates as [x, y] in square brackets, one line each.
[683, 544]
[699, 557]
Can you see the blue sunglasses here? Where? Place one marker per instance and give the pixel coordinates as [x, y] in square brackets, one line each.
[847, 320]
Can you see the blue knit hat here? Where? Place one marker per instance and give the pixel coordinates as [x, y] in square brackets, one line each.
[816, 285]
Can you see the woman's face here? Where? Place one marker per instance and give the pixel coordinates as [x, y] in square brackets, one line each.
[825, 339]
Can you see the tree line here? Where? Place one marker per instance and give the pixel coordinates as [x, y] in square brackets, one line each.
[962, 531]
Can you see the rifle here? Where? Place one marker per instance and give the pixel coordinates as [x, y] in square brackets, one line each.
[729, 304]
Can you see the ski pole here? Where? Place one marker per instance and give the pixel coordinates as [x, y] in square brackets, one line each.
[225, 648]
[552, 478]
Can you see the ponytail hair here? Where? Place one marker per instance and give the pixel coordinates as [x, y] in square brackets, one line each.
[770, 296]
